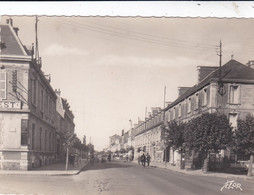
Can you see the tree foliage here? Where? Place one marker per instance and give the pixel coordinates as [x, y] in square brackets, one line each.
[90, 147]
[244, 136]
[208, 133]
[122, 150]
[174, 134]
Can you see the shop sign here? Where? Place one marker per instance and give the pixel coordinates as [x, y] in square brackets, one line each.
[10, 104]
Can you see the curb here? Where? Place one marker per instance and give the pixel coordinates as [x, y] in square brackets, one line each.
[45, 173]
[210, 174]
[82, 168]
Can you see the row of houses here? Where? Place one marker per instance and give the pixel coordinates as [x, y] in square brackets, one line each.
[33, 116]
[227, 90]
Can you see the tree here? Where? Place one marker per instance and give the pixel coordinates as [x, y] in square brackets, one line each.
[90, 148]
[208, 133]
[122, 150]
[244, 138]
[173, 133]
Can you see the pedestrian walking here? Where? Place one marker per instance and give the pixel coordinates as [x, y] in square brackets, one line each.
[148, 159]
[139, 159]
[143, 160]
[72, 159]
[109, 158]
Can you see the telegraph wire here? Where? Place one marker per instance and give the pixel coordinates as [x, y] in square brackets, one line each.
[144, 39]
[145, 34]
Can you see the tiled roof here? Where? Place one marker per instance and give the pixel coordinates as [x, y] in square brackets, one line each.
[11, 43]
[232, 71]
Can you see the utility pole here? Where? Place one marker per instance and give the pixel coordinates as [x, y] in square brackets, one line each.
[164, 106]
[145, 116]
[220, 55]
[36, 39]
[221, 88]
[164, 103]
[37, 56]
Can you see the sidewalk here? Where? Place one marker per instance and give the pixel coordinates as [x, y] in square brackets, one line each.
[200, 172]
[53, 169]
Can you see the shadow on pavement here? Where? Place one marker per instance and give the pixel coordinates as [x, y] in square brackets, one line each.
[107, 165]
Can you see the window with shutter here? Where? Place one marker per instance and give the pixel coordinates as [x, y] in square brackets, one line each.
[234, 94]
[196, 101]
[204, 97]
[189, 105]
[179, 110]
[42, 99]
[3, 84]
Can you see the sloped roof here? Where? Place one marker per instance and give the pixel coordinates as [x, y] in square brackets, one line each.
[232, 71]
[11, 42]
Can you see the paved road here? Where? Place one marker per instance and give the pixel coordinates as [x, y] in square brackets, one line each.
[119, 178]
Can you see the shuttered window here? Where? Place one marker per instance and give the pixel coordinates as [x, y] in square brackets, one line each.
[234, 94]
[2, 84]
[189, 105]
[196, 101]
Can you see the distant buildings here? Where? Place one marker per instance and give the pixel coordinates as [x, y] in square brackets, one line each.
[148, 136]
[29, 118]
[65, 124]
[115, 143]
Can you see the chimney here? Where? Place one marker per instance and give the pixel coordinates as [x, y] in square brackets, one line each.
[58, 92]
[155, 110]
[168, 103]
[9, 21]
[16, 29]
[122, 132]
[182, 90]
[48, 77]
[204, 71]
[250, 63]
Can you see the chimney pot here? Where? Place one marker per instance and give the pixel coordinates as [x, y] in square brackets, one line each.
[16, 30]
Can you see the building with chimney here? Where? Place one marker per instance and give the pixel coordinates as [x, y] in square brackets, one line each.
[228, 91]
[65, 124]
[27, 106]
[148, 135]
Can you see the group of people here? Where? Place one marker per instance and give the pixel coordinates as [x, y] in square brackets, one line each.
[144, 159]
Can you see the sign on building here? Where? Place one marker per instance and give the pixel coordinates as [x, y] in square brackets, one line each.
[10, 104]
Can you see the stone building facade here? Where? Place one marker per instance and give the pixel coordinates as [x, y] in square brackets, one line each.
[27, 107]
[148, 138]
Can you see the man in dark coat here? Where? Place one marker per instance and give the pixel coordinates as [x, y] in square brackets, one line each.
[148, 159]
[143, 160]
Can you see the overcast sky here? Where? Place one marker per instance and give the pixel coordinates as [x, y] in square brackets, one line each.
[111, 68]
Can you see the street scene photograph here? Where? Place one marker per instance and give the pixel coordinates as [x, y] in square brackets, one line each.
[103, 105]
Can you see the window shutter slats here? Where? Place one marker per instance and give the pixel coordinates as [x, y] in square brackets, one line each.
[2, 85]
